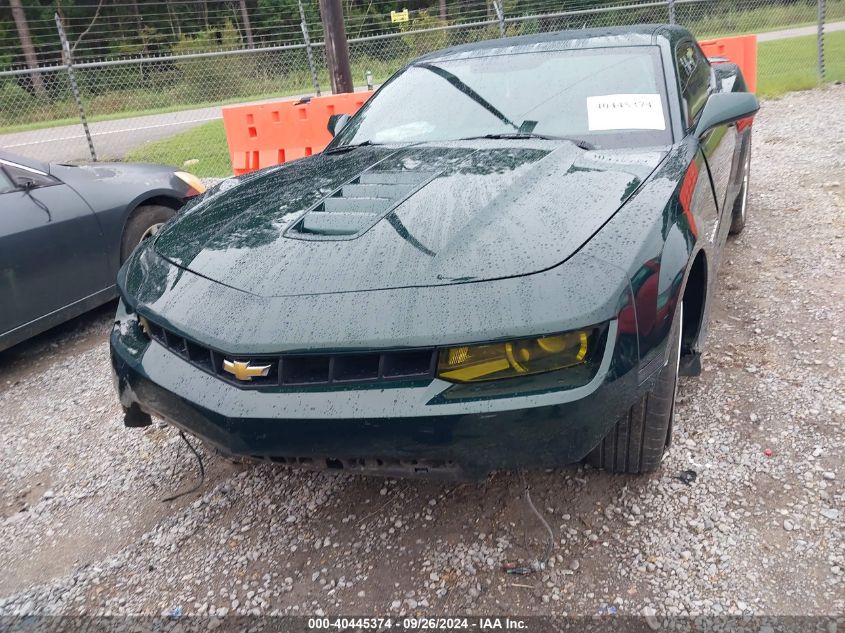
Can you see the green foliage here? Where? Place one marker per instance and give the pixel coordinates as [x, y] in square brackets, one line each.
[210, 78]
[526, 27]
[18, 104]
[224, 38]
[282, 17]
[474, 34]
[130, 28]
[6, 35]
[11, 93]
[422, 43]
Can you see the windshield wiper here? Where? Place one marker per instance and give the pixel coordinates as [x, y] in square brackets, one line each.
[472, 94]
[349, 147]
[523, 135]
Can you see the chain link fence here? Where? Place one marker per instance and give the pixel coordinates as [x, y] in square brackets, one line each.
[166, 108]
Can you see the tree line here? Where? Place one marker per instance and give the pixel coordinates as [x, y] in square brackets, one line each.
[104, 28]
[99, 29]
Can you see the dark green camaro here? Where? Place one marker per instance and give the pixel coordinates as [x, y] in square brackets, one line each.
[504, 259]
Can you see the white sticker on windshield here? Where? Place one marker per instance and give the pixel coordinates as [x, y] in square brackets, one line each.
[625, 112]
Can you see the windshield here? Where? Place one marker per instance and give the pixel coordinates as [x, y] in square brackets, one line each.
[608, 97]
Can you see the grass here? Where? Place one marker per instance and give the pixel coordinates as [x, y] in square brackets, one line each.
[799, 56]
[205, 143]
[768, 18]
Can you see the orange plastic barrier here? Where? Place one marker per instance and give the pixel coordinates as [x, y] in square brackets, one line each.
[741, 51]
[267, 134]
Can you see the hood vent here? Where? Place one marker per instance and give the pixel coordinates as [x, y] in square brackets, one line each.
[358, 205]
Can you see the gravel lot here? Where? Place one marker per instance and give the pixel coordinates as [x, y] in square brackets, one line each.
[760, 531]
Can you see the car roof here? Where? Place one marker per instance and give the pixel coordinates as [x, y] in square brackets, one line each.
[24, 161]
[634, 35]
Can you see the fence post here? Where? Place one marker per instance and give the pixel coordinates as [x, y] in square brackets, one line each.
[74, 87]
[672, 18]
[500, 15]
[308, 50]
[821, 40]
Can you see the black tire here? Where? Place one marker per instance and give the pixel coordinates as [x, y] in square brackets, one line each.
[143, 222]
[638, 440]
[739, 213]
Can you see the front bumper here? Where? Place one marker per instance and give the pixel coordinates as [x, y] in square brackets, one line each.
[402, 429]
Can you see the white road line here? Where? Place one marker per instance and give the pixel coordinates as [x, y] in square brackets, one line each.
[104, 132]
[44, 140]
[150, 127]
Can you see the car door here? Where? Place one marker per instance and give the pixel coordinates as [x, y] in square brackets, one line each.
[697, 83]
[51, 247]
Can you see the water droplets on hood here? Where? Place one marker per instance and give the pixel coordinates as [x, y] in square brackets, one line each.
[422, 215]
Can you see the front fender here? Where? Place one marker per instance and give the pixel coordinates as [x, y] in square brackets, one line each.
[654, 239]
[113, 190]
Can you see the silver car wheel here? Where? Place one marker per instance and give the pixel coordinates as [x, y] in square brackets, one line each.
[150, 232]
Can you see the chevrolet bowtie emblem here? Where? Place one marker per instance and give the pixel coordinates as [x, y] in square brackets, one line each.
[245, 371]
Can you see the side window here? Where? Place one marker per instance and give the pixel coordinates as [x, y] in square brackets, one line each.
[694, 75]
[21, 176]
[6, 185]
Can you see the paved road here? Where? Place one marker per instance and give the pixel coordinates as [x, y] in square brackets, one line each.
[799, 32]
[113, 139]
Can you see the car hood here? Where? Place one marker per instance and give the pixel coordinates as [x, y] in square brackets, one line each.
[118, 175]
[381, 217]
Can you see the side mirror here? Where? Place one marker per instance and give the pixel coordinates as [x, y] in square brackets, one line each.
[337, 123]
[726, 107]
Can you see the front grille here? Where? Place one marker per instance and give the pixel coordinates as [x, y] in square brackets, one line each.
[303, 370]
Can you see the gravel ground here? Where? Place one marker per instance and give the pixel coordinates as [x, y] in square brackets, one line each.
[760, 531]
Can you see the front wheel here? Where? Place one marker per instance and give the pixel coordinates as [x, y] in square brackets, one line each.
[638, 440]
[143, 223]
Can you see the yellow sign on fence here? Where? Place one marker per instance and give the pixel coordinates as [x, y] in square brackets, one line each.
[399, 16]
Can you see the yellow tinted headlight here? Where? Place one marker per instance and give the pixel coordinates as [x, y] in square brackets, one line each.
[493, 361]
